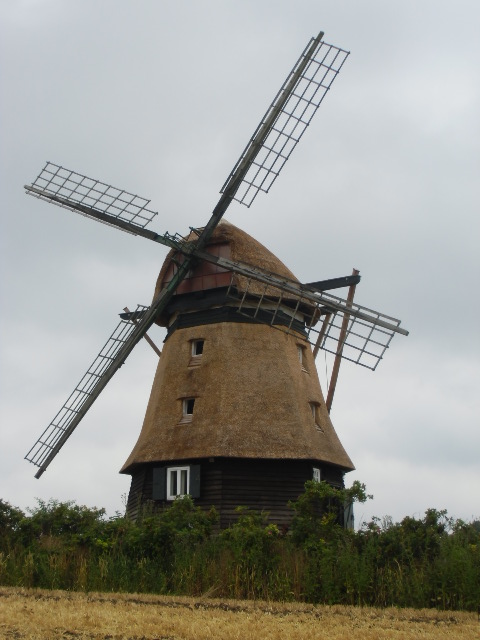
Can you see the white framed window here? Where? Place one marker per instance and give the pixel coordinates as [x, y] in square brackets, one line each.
[178, 482]
[196, 352]
[316, 474]
[197, 347]
[170, 482]
[187, 407]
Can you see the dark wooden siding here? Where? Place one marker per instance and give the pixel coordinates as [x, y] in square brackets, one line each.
[137, 493]
[261, 485]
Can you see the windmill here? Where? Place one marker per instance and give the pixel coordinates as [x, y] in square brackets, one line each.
[236, 414]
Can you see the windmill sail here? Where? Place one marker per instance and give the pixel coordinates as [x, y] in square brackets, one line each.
[80, 193]
[108, 361]
[287, 118]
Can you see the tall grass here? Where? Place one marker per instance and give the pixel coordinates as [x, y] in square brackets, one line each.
[432, 562]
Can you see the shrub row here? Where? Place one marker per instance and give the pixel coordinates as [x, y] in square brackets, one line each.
[428, 562]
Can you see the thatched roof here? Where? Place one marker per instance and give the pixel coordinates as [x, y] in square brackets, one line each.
[229, 242]
[253, 397]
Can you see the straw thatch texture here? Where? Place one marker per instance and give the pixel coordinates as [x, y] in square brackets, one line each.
[253, 396]
[252, 400]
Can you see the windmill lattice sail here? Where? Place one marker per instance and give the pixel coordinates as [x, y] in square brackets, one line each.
[77, 192]
[84, 394]
[319, 65]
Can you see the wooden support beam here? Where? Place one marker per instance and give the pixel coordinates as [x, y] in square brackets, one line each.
[341, 341]
[318, 342]
[146, 336]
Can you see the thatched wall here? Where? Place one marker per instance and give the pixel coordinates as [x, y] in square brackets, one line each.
[253, 396]
[252, 400]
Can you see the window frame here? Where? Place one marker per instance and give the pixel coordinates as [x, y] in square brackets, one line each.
[195, 344]
[301, 351]
[314, 407]
[186, 413]
[159, 481]
[187, 408]
[178, 470]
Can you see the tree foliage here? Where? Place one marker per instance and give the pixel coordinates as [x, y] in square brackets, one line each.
[319, 510]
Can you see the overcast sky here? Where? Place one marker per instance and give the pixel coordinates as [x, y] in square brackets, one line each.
[160, 98]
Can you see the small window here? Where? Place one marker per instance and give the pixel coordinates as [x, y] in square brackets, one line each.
[314, 407]
[170, 482]
[178, 481]
[196, 353]
[197, 347]
[188, 404]
[316, 474]
[301, 356]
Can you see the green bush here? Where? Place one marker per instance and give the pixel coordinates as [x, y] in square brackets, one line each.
[63, 524]
[10, 518]
[319, 511]
[433, 561]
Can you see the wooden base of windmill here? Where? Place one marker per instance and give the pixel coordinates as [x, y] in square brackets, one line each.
[225, 483]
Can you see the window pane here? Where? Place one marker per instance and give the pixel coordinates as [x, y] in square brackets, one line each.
[198, 347]
[188, 405]
[183, 482]
[173, 483]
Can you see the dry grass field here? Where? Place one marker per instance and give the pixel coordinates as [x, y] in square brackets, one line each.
[39, 614]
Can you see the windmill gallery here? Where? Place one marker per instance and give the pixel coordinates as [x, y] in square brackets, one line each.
[236, 414]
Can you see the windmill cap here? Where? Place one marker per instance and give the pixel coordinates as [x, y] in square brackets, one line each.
[230, 242]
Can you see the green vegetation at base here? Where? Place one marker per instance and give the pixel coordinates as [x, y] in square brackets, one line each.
[428, 562]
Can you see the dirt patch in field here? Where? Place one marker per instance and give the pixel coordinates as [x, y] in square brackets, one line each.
[40, 614]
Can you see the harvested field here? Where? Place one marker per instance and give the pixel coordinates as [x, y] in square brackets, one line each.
[40, 614]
